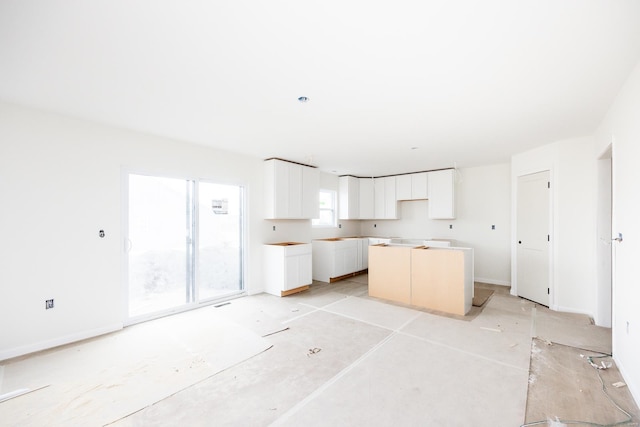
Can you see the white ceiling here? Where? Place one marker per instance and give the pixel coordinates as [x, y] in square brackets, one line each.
[467, 82]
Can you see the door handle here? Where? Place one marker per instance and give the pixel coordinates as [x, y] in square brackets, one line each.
[617, 239]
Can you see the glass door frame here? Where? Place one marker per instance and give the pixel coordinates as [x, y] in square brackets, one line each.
[191, 289]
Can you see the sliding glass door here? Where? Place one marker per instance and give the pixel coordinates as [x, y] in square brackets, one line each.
[184, 244]
[219, 240]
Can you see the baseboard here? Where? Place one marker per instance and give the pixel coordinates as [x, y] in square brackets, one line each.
[492, 281]
[635, 392]
[571, 310]
[67, 339]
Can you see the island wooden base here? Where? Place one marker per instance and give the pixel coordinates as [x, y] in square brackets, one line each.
[435, 278]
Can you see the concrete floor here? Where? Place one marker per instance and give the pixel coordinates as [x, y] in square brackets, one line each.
[341, 358]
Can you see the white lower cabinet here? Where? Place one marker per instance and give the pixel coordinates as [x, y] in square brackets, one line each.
[287, 267]
[379, 240]
[363, 254]
[335, 258]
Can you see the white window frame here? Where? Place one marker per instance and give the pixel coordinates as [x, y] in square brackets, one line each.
[333, 209]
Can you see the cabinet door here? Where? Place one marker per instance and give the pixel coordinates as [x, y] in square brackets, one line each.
[292, 272]
[390, 201]
[276, 188]
[310, 192]
[297, 271]
[294, 191]
[364, 254]
[419, 186]
[403, 187]
[350, 257]
[378, 198]
[304, 271]
[340, 261]
[346, 257]
[283, 189]
[349, 197]
[366, 198]
[441, 194]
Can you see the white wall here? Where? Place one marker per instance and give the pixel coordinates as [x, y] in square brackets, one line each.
[483, 199]
[60, 182]
[573, 191]
[622, 128]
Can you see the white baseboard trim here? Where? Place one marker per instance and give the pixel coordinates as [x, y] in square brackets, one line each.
[635, 392]
[67, 339]
[571, 310]
[492, 281]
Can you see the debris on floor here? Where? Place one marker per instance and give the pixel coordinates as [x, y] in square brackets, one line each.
[602, 365]
[313, 351]
[491, 329]
[618, 384]
[275, 332]
[556, 423]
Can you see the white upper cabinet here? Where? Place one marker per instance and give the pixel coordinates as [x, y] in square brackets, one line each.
[385, 202]
[366, 198]
[419, 187]
[310, 192]
[378, 198]
[403, 187]
[349, 190]
[291, 190]
[390, 199]
[442, 194]
[411, 186]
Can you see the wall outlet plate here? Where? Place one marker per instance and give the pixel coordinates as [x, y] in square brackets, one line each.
[48, 304]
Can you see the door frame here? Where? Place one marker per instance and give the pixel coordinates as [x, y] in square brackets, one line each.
[124, 271]
[514, 231]
[605, 273]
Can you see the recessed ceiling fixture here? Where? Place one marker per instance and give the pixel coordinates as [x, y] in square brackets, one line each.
[303, 99]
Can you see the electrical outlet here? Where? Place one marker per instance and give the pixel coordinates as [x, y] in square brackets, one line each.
[375, 225]
[339, 225]
[48, 304]
[493, 227]
[274, 228]
[450, 226]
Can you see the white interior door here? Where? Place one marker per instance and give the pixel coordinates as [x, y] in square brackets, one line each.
[533, 237]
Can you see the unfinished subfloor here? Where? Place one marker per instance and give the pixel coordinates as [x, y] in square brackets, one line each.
[340, 358]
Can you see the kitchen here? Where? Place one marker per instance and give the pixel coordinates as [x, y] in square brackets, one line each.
[482, 221]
